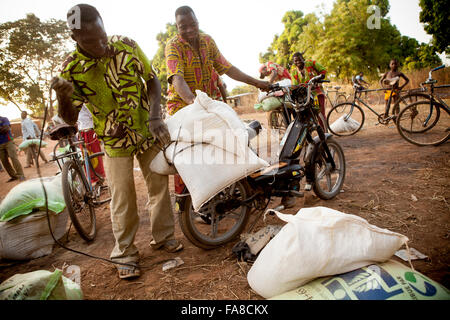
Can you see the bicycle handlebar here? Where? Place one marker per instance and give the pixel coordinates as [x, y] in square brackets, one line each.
[438, 68]
[430, 77]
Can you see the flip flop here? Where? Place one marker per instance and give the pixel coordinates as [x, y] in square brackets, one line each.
[128, 272]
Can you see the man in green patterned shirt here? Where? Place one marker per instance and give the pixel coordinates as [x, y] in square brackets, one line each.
[115, 80]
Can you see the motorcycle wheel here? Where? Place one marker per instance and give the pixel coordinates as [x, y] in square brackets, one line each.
[219, 220]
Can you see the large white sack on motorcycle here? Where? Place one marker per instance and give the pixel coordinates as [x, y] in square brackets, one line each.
[163, 165]
[319, 242]
[219, 154]
[341, 125]
[206, 170]
[210, 121]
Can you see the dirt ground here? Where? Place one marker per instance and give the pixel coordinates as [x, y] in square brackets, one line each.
[391, 183]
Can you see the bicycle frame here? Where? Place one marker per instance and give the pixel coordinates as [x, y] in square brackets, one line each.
[357, 97]
[84, 158]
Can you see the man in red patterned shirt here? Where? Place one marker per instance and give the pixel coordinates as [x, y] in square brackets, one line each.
[193, 61]
[192, 58]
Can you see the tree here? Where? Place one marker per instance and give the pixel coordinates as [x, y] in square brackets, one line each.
[355, 36]
[31, 53]
[159, 60]
[435, 15]
[283, 46]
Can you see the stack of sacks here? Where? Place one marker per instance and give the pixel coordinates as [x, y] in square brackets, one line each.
[210, 149]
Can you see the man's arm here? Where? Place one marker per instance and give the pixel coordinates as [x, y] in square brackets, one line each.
[273, 76]
[182, 89]
[5, 128]
[404, 78]
[382, 79]
[157, 126]
[238, 75]
[223, 92]
[64, 90]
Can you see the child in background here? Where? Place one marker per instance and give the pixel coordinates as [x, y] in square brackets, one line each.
[391, 80]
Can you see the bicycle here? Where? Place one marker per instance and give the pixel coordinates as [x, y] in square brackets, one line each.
[80, 195]
[306, 152]
[348, 118]
[426, 122]
[340, 96]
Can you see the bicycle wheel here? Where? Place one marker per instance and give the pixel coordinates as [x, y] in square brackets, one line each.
[340, 99]
[424, 123]
[220, 220]
[408, 99]
[79, 206]
[328, 182]
[276, 120]
[345, 119]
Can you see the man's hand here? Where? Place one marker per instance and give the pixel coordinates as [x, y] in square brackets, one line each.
[263, 85]
[158, 129]
[62, 87]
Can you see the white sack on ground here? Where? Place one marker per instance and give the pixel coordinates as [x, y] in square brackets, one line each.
[319, 242]
[28, 237]
[341, 126]
[212, 149]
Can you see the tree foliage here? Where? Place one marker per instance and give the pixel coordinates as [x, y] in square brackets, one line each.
[31, 53]
[435, 15]
[159, 61]
[355, 36]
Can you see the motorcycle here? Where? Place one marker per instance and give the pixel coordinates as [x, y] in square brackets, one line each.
[306, 152]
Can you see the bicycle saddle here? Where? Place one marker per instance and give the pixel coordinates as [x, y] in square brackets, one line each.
[61, 131]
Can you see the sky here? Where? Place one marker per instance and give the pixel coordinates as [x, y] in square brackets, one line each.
[241, 28]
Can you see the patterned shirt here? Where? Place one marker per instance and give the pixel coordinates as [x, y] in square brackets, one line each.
[113, 90]
[310, 70]
[5, 137]
[282, 73]
[196, 67]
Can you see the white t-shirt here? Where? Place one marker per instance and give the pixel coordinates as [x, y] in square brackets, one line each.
[85, 121]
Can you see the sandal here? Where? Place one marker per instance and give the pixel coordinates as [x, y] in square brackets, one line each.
[128, 272]
[170, 246]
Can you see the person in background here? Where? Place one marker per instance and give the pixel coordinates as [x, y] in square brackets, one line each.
[391, 81]
[274, 71]
[8, 151]
[192, 58]
[359, 79]
[219, 92]
[86, 131]
[30, 131]
[304, 70]
[114, 79]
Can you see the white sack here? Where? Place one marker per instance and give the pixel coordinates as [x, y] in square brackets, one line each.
[341, 126]
[264, 95]
[28, 237]
[211, 151]
[206, 170]
[319, 242]
[210, 121]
